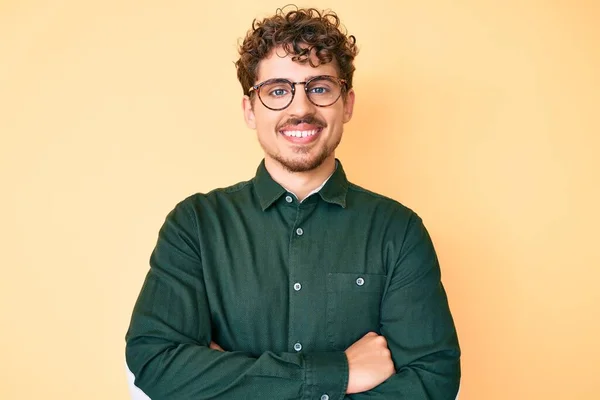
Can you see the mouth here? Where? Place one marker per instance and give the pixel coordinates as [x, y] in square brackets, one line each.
[300, 134]
[303, 133]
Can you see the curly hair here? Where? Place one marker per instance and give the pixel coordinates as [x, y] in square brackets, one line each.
[301, 33]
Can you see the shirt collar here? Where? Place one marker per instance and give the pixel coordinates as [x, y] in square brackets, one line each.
[316, 190]
[268, 191]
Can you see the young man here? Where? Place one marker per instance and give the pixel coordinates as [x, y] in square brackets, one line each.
[296, 284]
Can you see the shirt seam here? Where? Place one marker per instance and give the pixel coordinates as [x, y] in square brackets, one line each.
[356, 188]
[233, 188]
[346, 377]
[306, 394]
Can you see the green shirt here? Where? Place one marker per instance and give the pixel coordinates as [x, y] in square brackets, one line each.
[284, 288]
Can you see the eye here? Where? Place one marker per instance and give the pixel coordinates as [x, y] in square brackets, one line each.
[278, 92]
[319, 90]
[276, 89]
[321, 87]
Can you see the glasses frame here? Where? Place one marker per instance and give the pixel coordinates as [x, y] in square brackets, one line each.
[256, 88]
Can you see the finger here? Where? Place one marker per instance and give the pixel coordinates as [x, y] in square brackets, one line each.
[381, 340]
[215, 346]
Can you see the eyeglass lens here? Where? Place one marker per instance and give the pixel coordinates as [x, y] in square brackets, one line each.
[278, 94]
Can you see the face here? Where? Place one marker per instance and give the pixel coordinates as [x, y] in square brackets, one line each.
[320, 128]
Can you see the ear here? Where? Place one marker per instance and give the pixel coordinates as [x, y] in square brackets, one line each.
[249, 116]
[348, 105]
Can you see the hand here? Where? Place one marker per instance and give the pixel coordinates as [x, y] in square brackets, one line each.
[369, 362]
[215, 346]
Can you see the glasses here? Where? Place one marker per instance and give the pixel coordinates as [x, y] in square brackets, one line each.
[277, 94]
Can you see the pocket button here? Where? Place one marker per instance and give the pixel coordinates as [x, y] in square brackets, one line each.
[360, 281]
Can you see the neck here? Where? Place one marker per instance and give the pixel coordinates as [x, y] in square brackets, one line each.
[300, 183]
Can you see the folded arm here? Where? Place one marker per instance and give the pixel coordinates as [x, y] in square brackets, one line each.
[418, 326]
[168, 341]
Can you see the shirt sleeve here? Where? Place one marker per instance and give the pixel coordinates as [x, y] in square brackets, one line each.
[170, 331]
[418, 326]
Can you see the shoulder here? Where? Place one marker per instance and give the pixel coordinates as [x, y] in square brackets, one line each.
[358, 196]
[217, 195]
[207, 203]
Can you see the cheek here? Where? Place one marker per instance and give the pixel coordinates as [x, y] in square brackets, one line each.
[334, 117]
[266, 123]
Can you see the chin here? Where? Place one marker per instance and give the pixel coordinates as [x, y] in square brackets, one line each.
[302, 164]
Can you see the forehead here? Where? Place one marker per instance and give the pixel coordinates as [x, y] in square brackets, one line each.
[279, 65]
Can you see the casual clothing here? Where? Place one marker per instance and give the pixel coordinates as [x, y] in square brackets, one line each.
[284, 288]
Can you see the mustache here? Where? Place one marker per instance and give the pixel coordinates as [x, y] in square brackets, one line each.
[307, 119]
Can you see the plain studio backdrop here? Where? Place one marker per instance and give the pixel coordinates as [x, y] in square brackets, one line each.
[483, 116]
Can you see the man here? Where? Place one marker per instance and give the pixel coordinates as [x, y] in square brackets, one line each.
[296, 284]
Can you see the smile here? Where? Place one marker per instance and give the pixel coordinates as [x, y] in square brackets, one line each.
[300, 134]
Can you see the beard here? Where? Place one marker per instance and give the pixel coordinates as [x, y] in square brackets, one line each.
[303, 160]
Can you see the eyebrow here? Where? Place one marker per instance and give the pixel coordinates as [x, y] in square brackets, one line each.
[305, 79]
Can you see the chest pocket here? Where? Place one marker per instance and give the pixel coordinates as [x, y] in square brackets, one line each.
[353, 307]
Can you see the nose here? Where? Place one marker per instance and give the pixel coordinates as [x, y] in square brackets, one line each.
[301, 105]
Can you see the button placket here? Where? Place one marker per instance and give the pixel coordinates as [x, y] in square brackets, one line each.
[297, 261]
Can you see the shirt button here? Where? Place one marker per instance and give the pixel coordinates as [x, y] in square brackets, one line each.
[299, 232]
[325, 397]
[360, 281]
[289, 199]
[297, 346]
[297, 286]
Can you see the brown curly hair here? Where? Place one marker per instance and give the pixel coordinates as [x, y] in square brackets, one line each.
[301, 33]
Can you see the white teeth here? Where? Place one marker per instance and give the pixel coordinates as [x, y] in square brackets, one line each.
[300, 133]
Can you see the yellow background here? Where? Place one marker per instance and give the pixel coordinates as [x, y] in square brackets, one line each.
[483, 116]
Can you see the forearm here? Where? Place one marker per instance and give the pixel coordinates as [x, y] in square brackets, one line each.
[168, 352]
[171, 329]
[166, 370]
[418, 326]
[436, 377]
